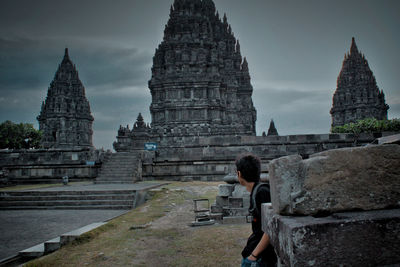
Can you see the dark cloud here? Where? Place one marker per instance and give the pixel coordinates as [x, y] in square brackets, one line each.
[115, 79]
[294, 49]
[27, 63]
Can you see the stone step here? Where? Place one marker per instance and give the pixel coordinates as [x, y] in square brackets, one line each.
[33, 252]
[67, 203]
[70, 236]
[111, 170]
[112, 173]
[55, 243]
[65, 193]
[99, 207]
[114, 178]
[52, 245]
[232, 212]
[68, 197]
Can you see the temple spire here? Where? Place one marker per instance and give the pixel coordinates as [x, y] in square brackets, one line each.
[353, 48]
[272, 129]
[245, 65]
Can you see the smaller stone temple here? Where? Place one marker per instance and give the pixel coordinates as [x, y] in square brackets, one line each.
[357, 95]
[65, 118]
[272, 129]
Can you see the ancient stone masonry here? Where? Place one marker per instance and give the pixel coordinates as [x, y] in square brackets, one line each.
[337, 208]
[65, 117]
[200, 83]
[357, 95]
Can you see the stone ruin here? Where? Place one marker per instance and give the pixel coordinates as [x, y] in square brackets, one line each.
[337, 208]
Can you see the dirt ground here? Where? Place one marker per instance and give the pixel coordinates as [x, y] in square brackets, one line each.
[158, 234]
[177, 223]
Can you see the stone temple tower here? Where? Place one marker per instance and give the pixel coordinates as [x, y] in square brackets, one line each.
[200, 83]
[357, 95]
[65, 118]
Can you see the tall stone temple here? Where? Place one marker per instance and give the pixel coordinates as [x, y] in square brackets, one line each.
[357, 95]
[65, 118]
[200, 84]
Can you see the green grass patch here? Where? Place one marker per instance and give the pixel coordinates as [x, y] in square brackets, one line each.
[122, 243]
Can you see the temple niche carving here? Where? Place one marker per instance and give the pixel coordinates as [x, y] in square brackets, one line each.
[65, 118]
[357, 95]
[200, 84]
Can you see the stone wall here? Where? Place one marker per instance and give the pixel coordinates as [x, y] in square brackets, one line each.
[212, 158]
[32, 166]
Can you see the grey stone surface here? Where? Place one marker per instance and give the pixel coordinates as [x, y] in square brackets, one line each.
[34, 251]
[241, 192]
[225, 190]
[369, 238]
[216, 208]
[222, 201]
[365, 178]
[212, 158]
[357, 95]
[72, 235]
[235, 202]
[50, 165]
[231, 179]
[24, 229]
[231, 211]
[52, 245]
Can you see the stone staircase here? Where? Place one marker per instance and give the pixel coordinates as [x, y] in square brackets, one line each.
[120, 168]
[99, 199]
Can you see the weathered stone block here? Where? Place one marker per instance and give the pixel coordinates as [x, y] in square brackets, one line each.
[362, 178]
[222, 201]
[235, 211]
[235, 202]
[369, 238]
[225, 190]
[216, 209]
[240, 191]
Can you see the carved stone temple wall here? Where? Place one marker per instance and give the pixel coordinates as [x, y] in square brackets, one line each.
[200, 84]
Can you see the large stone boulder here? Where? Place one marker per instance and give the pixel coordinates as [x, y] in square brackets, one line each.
[360, 178]
[364, 238]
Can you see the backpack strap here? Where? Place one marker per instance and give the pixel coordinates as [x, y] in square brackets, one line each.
[253, 199]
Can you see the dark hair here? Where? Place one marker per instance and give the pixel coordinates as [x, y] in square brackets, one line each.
[249, 166]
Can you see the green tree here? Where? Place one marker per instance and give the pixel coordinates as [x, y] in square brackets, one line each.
[369, 125]
[17, 136]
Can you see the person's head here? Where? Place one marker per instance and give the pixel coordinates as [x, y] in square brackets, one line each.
[249, 167]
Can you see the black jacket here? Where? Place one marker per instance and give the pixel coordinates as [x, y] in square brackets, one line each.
[262, 196]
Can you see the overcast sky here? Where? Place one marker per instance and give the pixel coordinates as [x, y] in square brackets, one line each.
[294, 48]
